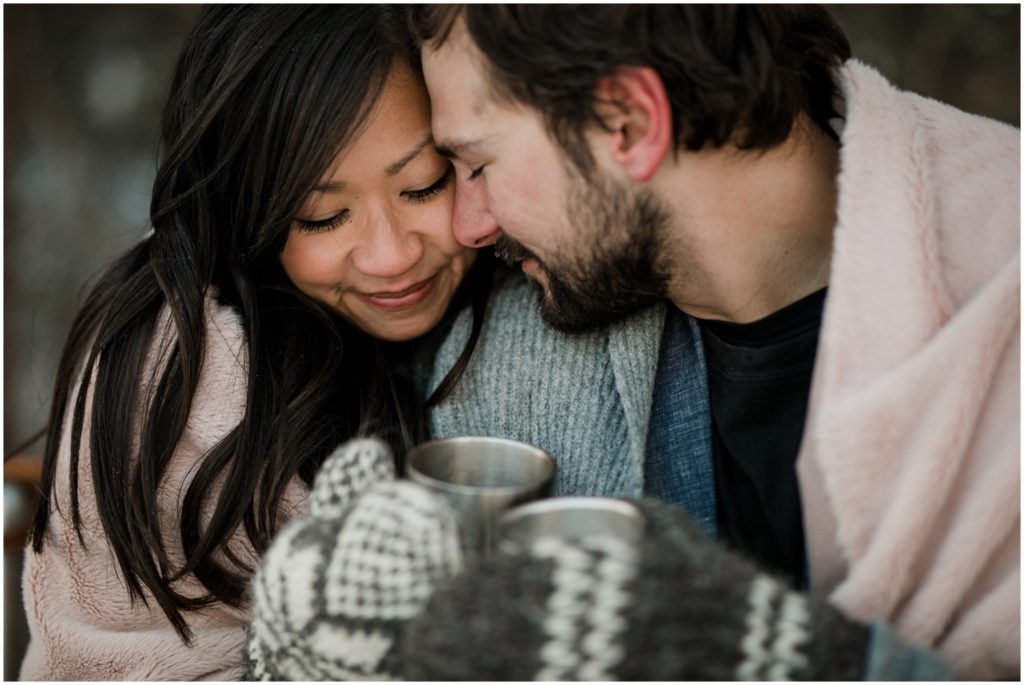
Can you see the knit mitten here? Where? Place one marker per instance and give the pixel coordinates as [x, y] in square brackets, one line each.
[676, 607]
[333, 590]
[348, 471]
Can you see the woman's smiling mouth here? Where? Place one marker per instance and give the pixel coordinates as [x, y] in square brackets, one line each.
[394, 300]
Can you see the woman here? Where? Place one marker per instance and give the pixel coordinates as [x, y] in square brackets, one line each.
[300, 217]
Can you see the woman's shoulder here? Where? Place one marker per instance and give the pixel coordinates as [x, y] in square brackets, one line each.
[225, 340]
[217, 407]
[219, 402]
[223, 343]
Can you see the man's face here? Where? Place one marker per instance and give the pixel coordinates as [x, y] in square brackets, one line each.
[593, 244]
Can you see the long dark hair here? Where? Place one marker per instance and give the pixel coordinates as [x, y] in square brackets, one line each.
[262, 99]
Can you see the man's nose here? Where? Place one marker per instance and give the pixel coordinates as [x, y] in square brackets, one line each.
[472, 222]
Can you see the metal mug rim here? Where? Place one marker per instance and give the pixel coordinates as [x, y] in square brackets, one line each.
[422, 478]
[510, 518]
[563, 503]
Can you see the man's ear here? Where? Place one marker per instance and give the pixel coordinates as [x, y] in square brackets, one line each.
[635, 107]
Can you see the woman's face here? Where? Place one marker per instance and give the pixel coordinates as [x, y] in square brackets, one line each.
[374, 240]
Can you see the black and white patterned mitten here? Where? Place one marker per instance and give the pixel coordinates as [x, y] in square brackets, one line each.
[676, 607]
[333, 590]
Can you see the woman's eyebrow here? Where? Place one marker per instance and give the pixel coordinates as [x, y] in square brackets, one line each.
[397, 166]
[391, 170]
[329, 187]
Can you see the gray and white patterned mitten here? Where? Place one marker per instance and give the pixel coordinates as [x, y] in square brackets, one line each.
[349, 470]
[676, 607]
[333, 590]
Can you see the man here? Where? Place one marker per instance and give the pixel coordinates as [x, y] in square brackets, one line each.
[843, 256]
[820, 366]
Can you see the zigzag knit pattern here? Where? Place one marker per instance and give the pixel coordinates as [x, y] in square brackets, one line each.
[586, 607]
[677, 607]
[333, 590]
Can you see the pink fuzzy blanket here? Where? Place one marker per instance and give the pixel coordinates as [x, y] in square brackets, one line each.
[910, 467]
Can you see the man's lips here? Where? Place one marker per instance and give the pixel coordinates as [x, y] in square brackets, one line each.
[401, 299]
[530, 265]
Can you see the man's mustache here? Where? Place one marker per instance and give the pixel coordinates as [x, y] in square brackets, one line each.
[510, 251]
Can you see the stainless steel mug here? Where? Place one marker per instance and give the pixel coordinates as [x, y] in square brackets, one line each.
[481, 478]
[571, 519]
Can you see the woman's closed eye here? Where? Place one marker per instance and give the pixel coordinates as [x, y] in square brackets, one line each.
[424, 194]
[415, 195]
[317, 225]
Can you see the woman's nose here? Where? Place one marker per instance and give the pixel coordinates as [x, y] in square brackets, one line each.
[390, 248]
[472, 222]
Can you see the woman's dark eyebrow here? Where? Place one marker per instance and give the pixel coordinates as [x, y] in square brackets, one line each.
[329, 187]
[391, 170]
[397, 166]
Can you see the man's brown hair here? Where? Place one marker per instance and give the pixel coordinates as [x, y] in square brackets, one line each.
[733, 73]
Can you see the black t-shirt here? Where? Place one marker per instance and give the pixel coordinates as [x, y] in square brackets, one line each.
[759, 377]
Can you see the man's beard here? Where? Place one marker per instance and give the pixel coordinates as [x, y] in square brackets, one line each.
[624, 271]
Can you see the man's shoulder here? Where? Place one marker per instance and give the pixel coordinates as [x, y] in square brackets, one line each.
[931, 170]
[941, 131]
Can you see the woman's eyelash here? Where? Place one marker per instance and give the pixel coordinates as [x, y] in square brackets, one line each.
[331, 222]
[435, 188]
[473, 173]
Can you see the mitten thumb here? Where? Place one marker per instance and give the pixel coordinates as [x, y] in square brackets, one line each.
[349, 470]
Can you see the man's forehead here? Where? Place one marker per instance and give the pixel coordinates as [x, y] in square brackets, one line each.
[457, 42]
[454, 61]
[460, 96]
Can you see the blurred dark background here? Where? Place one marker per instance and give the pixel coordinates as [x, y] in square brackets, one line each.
[83, 89]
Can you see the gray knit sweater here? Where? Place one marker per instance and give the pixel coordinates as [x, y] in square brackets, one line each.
[586, 399]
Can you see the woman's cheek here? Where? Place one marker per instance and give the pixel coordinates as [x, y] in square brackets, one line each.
[439, 230]
[313, 262]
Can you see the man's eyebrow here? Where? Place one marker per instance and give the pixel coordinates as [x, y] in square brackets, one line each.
[397, 166]
[454, 148]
